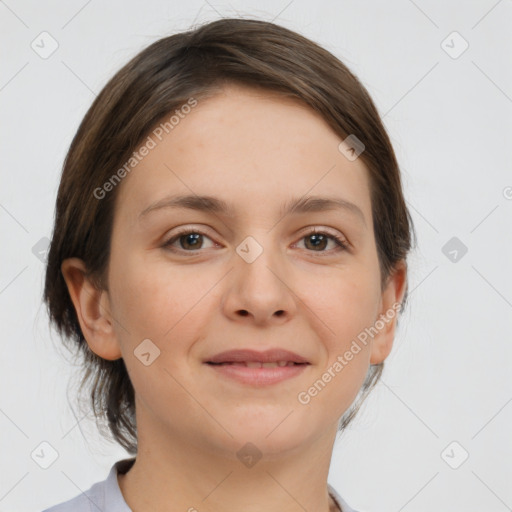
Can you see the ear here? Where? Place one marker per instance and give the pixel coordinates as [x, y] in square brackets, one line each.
[92, 308]
[385, 323]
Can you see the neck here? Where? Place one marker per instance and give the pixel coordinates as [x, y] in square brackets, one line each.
[195, 476]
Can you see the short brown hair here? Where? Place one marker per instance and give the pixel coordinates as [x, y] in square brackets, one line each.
[197, 63]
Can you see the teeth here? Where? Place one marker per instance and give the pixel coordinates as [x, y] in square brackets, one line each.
[257, 364]
[274, 364]
[253, 364]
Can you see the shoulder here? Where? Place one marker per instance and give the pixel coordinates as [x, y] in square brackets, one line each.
[91, 500]
[343, 505]
[101, 496]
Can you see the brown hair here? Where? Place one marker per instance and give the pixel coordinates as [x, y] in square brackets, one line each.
[153, 84]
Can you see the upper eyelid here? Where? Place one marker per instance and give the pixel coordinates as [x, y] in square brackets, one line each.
[307, 231]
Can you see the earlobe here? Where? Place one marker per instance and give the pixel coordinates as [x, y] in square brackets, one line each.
[385, 323]
[92, 309]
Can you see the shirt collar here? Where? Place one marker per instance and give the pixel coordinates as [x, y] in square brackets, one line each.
[114, 499]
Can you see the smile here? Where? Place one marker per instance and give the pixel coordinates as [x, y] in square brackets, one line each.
[254, 373]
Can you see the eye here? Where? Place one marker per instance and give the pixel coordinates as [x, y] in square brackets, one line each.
[189, 239]
[318, 240]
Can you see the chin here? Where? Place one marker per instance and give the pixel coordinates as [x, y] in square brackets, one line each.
[273, 434]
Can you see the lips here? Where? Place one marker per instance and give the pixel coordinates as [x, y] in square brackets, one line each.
[254, 359]
[258, 369]
[257, 364]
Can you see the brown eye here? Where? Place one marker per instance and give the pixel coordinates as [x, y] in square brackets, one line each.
[318, 241]
[189, 241]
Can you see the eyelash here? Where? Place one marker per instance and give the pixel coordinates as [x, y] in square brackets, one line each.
[342, 245]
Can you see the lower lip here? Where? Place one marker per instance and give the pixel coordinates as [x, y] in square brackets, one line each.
[258, 376]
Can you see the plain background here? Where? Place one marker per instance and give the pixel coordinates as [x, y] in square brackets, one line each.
[449, 115]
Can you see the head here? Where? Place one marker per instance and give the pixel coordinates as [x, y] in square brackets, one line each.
[253, 115]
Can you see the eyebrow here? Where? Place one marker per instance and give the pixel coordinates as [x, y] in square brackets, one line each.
[215, 205]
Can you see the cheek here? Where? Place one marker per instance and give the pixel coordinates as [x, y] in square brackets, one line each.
[349, 306]
[159, 301]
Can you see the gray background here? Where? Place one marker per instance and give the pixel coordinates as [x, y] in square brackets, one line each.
[449, 117]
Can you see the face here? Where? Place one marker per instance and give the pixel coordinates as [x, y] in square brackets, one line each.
[197, 282]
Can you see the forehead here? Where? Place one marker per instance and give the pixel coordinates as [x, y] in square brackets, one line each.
[252, 148]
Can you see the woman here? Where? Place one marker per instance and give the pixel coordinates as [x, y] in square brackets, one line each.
[229, 252]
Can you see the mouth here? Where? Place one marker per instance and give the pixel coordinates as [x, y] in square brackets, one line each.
[259, 364]
[254, 368]
[278, 357]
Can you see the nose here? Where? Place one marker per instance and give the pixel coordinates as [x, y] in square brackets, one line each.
[260, 291]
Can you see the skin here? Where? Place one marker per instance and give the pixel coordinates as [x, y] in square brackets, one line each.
[255, 150]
